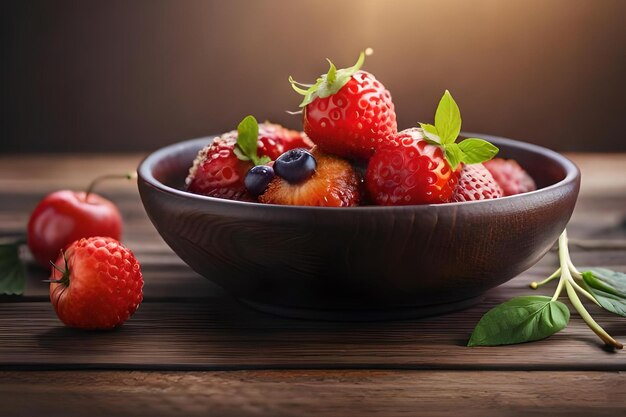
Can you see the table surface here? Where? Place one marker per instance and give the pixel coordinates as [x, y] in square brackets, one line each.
[190, 348]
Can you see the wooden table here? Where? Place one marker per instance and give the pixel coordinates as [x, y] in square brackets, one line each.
[192, 350]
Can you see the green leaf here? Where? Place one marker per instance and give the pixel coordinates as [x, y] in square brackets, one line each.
[327, 84]
[12, 276]
[454, 155]
[331, 75]
[431, 134]
[477, 150]
[263, 160]
[608, 287]
[448, 119]
[522, 319]
[247, 142]
[239, 154]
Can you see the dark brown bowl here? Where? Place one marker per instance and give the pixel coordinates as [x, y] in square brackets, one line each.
[360, 263]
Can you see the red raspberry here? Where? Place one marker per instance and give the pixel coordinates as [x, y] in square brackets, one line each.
[96, 284]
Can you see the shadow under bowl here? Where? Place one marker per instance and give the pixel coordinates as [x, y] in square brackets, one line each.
[361, 263]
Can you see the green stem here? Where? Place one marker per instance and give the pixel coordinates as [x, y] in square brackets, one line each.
[534, 285]
[127, 176]
[578, 305]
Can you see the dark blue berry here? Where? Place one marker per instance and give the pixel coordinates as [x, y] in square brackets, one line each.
[258, 178]
[295, 165]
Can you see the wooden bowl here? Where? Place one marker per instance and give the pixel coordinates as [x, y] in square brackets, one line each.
[361, 263]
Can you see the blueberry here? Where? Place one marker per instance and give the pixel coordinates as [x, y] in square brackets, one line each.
[295, 165]
[258, 178]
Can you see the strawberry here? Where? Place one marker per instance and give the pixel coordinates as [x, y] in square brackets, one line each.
[274, 140]
[476, 183]
[409, 170]
[333, 184]
[220, 168]
[510, 176]
[218, 172]
[420, 165]
[98, 287]
[347, 112]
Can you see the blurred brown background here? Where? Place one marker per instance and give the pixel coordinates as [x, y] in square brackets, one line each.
[136, 75]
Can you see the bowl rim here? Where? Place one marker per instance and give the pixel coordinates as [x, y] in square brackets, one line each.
[144, 173]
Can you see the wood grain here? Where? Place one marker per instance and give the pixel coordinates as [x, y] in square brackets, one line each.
[220, 333]
[313, 393]
[188, 323]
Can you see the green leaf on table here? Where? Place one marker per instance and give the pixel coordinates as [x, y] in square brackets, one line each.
[448, 119]
[521, 319]
[608, 287]
[12, 276]
[477, 150]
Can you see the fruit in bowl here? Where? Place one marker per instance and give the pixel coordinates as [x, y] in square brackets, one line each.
[350, 226]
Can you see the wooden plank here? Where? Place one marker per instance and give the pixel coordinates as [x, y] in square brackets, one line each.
[166, 277]
[313, 393]
[219, 333]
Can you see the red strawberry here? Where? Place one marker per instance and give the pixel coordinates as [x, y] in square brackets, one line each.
[476, 183]
[409, 170]
[334, 184]
[420, 166]
[510, 176]
[218, 172]
[220, 168]
[347, 112]
[274, 140]
[96, 284]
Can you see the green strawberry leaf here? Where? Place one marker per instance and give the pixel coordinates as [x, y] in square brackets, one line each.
[327, 84]
[247, 142]
[448, 119]
[453, 154]
[12, 275]
[519, 320]
[608, 288]
[477, 150]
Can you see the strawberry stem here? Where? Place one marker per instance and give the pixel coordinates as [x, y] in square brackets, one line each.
[94, 183]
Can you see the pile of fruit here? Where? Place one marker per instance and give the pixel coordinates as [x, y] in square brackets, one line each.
[351, 153]
[95, 281]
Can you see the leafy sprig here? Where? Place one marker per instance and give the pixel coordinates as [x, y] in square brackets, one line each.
[446, 130]
[525, 319]
[247, 142]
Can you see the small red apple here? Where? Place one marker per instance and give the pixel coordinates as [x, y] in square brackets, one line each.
[65, 216]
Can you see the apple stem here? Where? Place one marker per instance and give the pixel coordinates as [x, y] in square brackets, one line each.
[127, 176]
